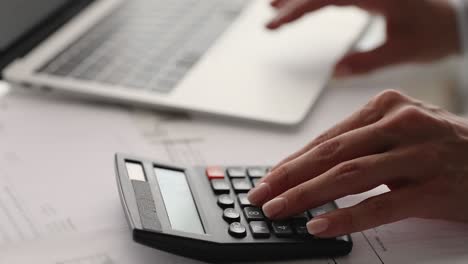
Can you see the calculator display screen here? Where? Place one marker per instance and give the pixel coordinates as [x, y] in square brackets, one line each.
[178, 200]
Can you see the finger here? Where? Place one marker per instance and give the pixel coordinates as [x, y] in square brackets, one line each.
[365, 62]
[371, 113]
[379, 210]
[294, 9]
[357, 143]
[365, 116]
[279, 3]
[348, 178]
[288, 12]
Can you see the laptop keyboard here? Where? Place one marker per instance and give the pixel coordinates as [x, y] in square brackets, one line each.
[147, 44]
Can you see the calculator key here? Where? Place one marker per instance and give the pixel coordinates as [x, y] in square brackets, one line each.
[317, 212]
[302, 216]
[300, 227]
[253, 213]
[282, 229]
[321, 210]
[259, 229]
[231, 215]
[220, 186]
[236, 229]
[215, 173]
[236, 172]
[243, 200]
[225, 201]
[241, 185]
[256, 182]
[256, 172]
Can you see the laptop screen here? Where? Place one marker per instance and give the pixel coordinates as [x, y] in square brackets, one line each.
[19, 16]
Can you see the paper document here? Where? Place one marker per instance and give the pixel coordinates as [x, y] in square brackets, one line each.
[58, 196]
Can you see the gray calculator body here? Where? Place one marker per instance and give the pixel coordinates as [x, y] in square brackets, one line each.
[176, 209]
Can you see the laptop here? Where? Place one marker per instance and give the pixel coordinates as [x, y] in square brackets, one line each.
[212, 57]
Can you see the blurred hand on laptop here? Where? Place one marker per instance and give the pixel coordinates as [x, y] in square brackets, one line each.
[418, 150]
[417, 30]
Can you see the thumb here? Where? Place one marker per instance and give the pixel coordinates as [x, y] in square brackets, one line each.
[364, 62]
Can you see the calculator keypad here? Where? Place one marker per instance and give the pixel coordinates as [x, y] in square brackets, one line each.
[241, 180]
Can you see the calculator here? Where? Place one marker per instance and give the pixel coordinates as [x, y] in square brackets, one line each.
[203, 213]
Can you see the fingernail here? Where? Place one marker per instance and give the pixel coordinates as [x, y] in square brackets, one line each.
[272, 24]
[318, 226]
[275, 22]
[274, 207]
[259, 194]
[342, 71]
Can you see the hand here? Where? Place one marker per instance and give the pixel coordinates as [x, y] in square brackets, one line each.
[417, 30]
[419, 151]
